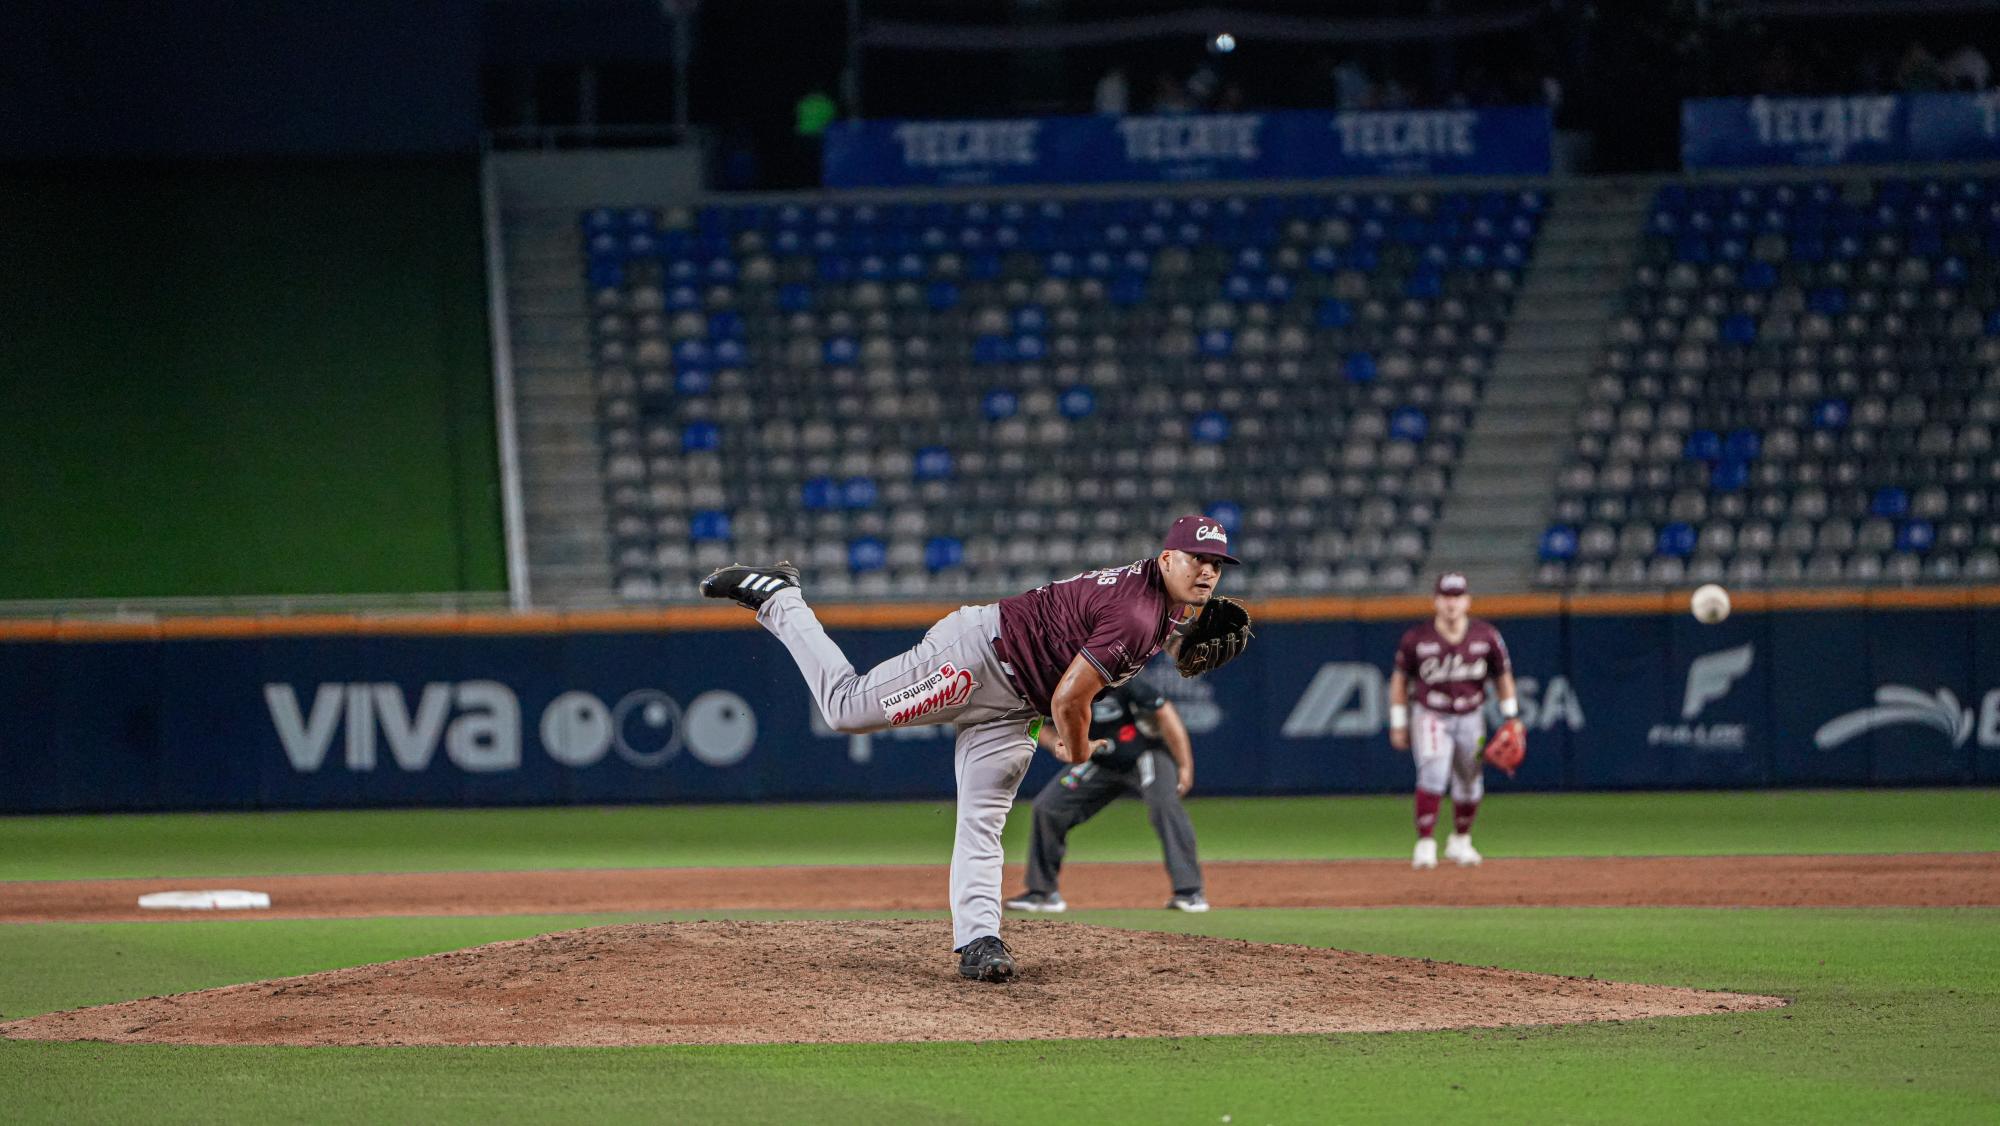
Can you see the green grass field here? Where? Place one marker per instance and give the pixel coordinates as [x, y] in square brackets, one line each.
[1892, 1019]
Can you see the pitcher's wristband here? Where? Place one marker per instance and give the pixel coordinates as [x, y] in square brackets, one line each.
[1510, 708]
[1399, 716]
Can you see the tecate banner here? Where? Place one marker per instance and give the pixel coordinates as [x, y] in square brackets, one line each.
[1849, 697]
[1856, 129]
[1285, 145]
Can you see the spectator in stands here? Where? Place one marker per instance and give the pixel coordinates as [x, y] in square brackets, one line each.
[1114, 92]
[1203, 85]
[1967, 69]
[1170, 96]
[1919, 71]
[1352, 88]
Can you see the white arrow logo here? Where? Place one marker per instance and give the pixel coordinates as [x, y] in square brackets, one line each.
[1712, 675]
[1894, 704]
[1345, 698]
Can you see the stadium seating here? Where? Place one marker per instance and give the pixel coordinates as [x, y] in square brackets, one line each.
[1804, 387]
[938, 399]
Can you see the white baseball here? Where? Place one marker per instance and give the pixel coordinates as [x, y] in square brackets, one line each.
[1710, 604]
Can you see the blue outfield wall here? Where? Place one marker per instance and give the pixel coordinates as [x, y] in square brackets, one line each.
[1789, 698]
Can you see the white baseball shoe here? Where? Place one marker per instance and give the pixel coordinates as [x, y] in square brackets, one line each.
[1038, 903]
[1458, 848]
[1426, 855]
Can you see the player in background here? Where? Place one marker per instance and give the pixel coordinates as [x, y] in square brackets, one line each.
[1448, 660]
[994, 671]
[1138, 745]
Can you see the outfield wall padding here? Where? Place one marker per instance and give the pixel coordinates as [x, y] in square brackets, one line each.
[370, 717]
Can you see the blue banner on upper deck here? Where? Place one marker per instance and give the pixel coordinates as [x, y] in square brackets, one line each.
[1860, 129]
[1955, 126]
[1283, 145]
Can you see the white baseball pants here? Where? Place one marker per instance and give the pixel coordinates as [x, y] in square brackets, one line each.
[1447, 751]
[951, 676]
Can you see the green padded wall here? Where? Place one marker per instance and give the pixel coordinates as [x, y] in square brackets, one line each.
[240, 380]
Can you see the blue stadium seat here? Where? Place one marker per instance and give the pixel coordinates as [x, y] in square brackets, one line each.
[1077, 402]
[709, 526]
[819, 494]
[943, 553]
[858, 492]
[867, 554]
[699, 437]
[1890, 501]
[933, 463]
[1209, 427]
[1677, 541]
[1559, 544]
[1916, 536]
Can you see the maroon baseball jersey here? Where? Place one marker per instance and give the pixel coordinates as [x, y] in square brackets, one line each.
[1117, 617]
[1447, 677]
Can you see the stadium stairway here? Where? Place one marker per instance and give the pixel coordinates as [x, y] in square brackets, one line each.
[1505, 480]
[556, 413]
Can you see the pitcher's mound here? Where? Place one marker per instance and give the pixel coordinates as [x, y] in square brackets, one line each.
[819, 982]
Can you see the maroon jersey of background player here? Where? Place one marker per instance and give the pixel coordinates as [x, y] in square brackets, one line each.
[1116, 618]
[1451, 677]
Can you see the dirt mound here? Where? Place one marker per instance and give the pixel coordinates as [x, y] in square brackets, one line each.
[891, 980]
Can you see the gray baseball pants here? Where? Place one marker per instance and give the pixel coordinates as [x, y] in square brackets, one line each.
[951, 676]
[1447, 747]
[1080, 792]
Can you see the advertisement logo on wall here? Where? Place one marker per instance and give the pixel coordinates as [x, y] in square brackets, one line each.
[1710, 678]
[478, 723]
[1897, 704]
[1349, 700]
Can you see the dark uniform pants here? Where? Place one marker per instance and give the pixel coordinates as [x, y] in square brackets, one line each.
[1078, 793]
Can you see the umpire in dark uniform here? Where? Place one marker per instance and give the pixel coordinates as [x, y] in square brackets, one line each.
[1139, 745]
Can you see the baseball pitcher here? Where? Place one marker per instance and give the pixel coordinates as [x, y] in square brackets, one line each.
[1436, 692]
[1139, 746]
[994, 671]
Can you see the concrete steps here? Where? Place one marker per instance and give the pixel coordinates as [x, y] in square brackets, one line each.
[1503, 488]
[568, 541]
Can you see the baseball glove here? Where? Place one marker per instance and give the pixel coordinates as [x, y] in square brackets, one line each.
[1216, 638]
[1508, 746]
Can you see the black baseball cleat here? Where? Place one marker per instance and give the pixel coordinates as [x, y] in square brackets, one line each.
[749, 586]
[986, 959]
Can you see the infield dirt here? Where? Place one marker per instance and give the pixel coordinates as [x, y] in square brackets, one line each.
[1901, 880]
[730, 982]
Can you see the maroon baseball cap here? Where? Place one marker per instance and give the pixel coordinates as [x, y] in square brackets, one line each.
[1199, 535]
[1451, 583]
